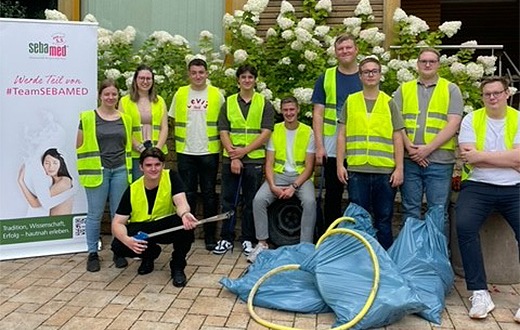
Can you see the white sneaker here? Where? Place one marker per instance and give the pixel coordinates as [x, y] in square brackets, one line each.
[256, 251]
[481, 304]
[222, 247]
[517, 316]
[247, 247]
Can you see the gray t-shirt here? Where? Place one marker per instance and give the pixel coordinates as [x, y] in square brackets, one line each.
[397, 124]
[424, 94]
[267, 123]
[111, 138]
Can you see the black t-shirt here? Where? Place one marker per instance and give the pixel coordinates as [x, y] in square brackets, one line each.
[125, 206]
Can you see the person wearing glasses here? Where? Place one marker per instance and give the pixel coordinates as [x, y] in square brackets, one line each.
[370, 136]
[489, 143]
[149, 115]
[432, 110]
[330, 92]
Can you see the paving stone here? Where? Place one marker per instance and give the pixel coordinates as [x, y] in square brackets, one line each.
[62, 316]
[22, 321]
[174, 315]
[28, 308]
[205, 281]
[111, 311]
[212, 306]
[36, 294]
[92, 323]
[191, 322]
[132, 289]
[92, 298]
[152, 302]
[237, 320]
[125, 320]
[8, 307]
[50, 307]
[182, 303]
[88, 311]
[146, 325]
[189, 293]
[215, 321]
[150, 316]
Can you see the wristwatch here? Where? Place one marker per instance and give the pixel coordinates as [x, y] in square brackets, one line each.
[295, 185]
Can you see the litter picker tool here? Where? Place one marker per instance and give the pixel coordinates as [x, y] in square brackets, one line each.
[144, 236]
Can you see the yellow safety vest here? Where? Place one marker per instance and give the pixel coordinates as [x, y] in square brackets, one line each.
[329, 115]
[89, 165]
[479, 126]
[163, 205]
[437, 115]
[299, 148]
[212, 112]
[245, 130]
[158, 107]
[369, 137]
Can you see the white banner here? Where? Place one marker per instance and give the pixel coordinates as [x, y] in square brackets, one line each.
[48, 73]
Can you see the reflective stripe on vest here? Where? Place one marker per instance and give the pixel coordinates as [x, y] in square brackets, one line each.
[329, 115]
[369, 137]
[244, 131]
[299, 148]
[181, 119]
[163, 205]
[479, 124]
[437, 115]
[89, 165]
[131, 108]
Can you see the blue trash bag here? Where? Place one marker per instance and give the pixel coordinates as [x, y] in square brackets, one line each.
[421, 254]
[344, 276]
[292, 291]
[363, 220]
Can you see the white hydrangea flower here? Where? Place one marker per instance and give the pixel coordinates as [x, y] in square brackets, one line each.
[469, 44]
[127, 74]
[329, 41]
[256, 6]
[331, 51]
[267, 93]
[284, 23]
[332, 61]
[90, 18]
[296, 45]
[120, 37]
[104, 32]
[162, 37]
[378, 50]
[179, 40]
[213, 67]
[386, 56]
[307, 23]
[240, 56]
[404, 75]
[55, 15]
[468, 109]
[222, 91]
[188, 58]
[239, 13]
[260, 86]
[352, 22]
[363, 8]
[286, 7]
[225, 49]
[302, 35]
[415, 26]
[130, 33]
[285, 61]
[412, 63]
[104, 42]
[457, 68]
[255, 18]
[325, 5]
[301, 67]
[168, 71]
[399, 15]
[128, 82]
[159, 79]
[270, 33]
[450, 28]
[396, 64]
[512, 90]
[321, 30]
[258, 40]
[475, 71]
[228, 20]
[277, 105]
[287, 34]
[247, 31]
[308, 114]
[113, 74]
[205, 34]
[310, 55]
[303, 95]
[384, 69]
[488, 62]
[230, 72]
[372, 36]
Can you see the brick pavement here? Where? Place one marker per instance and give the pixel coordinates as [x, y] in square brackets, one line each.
[56, 292]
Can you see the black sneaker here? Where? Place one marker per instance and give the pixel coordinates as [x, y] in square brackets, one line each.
[93, 262]
[120, 262]
[210, 243]
[178, 278]
[147, 265]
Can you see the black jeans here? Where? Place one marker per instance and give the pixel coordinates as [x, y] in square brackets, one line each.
[181, 240]
[333, 192]
[252, 177]
[201, 170]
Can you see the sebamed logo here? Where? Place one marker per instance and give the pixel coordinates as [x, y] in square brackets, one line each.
[56, 49]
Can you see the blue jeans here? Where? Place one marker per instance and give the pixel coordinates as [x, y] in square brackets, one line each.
[433, 180]
[252, 176]
[115, 182]
[475, 203]
[201, 170]
[136, 170]
[375, 194]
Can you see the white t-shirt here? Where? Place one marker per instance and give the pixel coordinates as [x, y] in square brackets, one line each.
[196, 136]
[290, 164]
[495, 129]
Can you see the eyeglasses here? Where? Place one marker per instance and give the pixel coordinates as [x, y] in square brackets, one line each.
[144, 78]
[367, 73]
[430, 62]
[494, 94]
